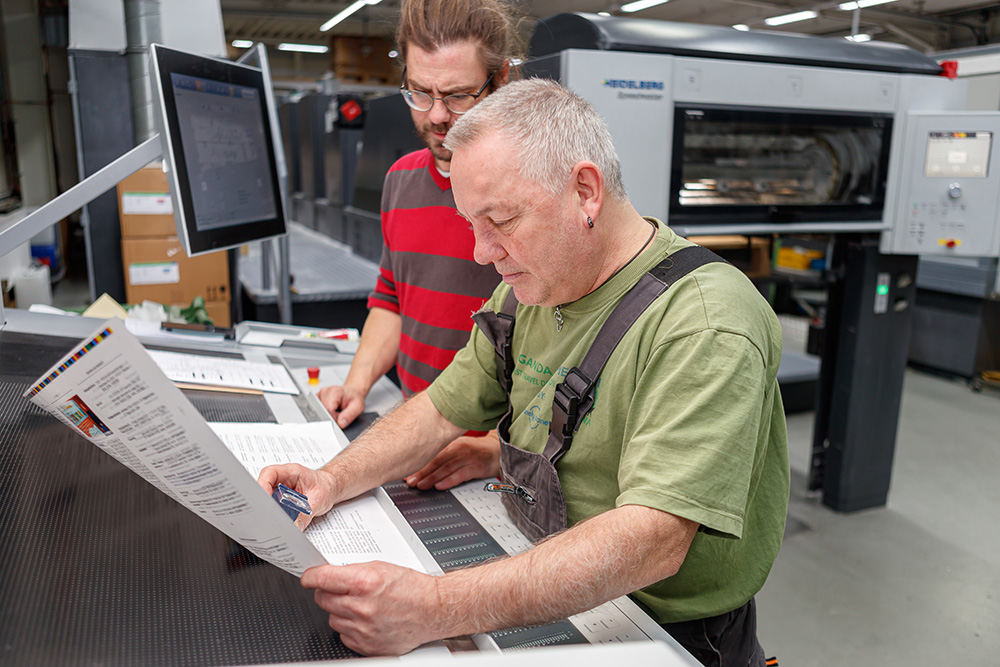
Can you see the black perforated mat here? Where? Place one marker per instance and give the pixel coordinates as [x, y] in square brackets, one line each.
[97, 567]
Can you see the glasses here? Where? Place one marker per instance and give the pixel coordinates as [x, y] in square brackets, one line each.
[457, 103]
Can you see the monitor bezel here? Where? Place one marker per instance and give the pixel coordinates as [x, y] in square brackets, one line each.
[165, 61]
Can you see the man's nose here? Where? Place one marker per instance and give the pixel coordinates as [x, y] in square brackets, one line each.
[487, 249]
[439, 113]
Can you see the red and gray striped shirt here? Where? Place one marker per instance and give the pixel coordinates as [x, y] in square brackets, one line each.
[427, 273]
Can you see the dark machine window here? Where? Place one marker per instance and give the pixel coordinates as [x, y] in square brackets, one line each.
[753, 165]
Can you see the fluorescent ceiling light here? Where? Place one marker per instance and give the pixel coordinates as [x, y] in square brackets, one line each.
[604, 13]
[743, 27]
[639, 5]
[860, 37]
[303, 48]
[791, 18]
[861, 4]
[242, 43]
[355, 6]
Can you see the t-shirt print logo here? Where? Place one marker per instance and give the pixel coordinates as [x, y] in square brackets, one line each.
[534, 420]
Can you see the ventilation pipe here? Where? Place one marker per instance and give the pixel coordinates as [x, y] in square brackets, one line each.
[142, 27]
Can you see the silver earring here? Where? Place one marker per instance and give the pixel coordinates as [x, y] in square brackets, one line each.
[590, 222]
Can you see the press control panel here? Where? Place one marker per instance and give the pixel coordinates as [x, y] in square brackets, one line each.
[950, 191]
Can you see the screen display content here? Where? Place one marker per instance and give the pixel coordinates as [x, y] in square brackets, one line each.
[222, 128]
[752, 165]
[218, 144]
[958, 154]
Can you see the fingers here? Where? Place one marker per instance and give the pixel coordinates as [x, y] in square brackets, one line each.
[288, 474]
[331, 398]
[463, 459]
[343, 403]
[350, 409]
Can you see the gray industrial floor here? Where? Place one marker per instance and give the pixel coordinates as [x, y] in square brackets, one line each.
[916, 582]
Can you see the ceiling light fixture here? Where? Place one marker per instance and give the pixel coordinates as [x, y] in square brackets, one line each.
[303, 48]
[242, 43]
[742, 27]
[639, 5]
[358, 4]
[860, 37]
[791, 18]
[861, 4]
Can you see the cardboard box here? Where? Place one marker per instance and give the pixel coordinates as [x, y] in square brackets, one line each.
[219, 312]
[144, 205]
[160, 270]
[752, 255]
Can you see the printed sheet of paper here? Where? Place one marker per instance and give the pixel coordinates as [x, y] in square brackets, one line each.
[110, 389]
[222, 372]
[353, 532]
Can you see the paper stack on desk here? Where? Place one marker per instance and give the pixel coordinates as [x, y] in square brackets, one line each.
[110, 390]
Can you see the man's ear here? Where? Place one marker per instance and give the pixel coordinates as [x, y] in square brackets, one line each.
[503, 74]
[589, 183]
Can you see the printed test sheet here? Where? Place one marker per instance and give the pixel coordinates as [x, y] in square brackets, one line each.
[110, 390]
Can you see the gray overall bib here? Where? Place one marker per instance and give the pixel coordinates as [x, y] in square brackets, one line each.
[529, 484]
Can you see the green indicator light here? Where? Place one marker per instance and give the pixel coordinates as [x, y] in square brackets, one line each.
[882, 290]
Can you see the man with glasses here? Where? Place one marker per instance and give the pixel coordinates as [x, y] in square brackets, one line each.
[455, 53]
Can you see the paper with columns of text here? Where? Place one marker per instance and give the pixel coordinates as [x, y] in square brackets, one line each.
[352, 532]
[110, 390]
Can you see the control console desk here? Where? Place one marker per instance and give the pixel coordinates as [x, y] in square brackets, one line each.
[98, 566]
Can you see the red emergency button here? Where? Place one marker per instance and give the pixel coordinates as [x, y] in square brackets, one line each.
[950, 243]
[313, 375]
[350, 110]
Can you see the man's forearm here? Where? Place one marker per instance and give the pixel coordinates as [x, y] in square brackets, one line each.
[377, 350]
[406, 439]
[613, 554]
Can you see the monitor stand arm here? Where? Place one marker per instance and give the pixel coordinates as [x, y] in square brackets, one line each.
[76, 198]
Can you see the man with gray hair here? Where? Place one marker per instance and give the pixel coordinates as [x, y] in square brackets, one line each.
[631, 377]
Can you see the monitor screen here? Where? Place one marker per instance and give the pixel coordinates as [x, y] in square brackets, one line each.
[215, 119]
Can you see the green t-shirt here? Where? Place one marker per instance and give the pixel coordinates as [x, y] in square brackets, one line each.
[687, 419]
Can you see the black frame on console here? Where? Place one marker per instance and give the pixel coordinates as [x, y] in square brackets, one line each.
[166, 61]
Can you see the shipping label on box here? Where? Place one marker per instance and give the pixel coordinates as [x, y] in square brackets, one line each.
[144, 205]
[160, 270]
[154, 273]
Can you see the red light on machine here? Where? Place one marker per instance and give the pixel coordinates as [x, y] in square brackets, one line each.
[350, 110]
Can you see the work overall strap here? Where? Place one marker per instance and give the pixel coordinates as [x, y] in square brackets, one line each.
[574, 397]
[498, 327]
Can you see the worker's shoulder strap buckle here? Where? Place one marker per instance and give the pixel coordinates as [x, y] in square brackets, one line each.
[573, 397]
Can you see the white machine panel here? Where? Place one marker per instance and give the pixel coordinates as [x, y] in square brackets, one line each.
[632, 91]
[949, 200]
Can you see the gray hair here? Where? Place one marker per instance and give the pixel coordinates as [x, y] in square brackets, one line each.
[553, 129]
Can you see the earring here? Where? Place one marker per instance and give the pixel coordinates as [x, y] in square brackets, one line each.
[590, 222]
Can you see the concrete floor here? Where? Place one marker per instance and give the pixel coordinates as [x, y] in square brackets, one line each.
[916, 582]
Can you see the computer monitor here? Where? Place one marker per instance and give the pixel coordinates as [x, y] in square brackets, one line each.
[215, 119]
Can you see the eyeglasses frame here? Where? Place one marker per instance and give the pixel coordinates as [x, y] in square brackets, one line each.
[403, 90]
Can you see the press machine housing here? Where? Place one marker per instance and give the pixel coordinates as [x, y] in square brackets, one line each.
[645, 76]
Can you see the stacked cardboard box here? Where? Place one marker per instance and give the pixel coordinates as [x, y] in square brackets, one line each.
[363, 59]
[156, 266]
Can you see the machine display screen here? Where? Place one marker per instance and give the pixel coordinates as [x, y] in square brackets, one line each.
[958, 154]
[775, 165]
[219, 150]
[222, 129]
